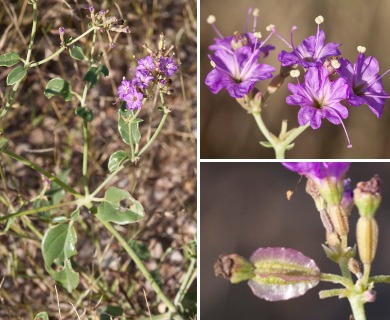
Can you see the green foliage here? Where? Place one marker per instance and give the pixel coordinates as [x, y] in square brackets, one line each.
[84, 113]
[128, 127]
[4, 144]
[77, 53]
[140, 249]
[116, 159]
[42, 316]
[92, 75]
[109, 312]
[58, 246]
[58, 86]
[120, 207]
[16, 74]
[9, 59]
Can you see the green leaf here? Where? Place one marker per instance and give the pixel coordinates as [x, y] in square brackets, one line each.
[120, 207]
[116, 160]
[59, 244]
[93, 74]
[266, 144]
[84, 113]
[16, 74]
[127, 125]
[42, 316]
[77, 53]
[58, 86]
[4, 144]
[68, 278]
[109, 312]
[9, 59]
[140, 249]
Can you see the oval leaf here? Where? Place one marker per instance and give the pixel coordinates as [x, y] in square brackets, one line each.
[77, 53]
[282, 274]
[16, 74]
[120, 207]
[116, 160]
[9, 59]
[94, 72]
[58, 86]
[127, 125]
[68, 278]
[58, 244]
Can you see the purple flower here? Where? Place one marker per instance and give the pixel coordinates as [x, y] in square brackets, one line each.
[146, 64]
[319, 98]
[133, 99]
[167, 66]
[61, 30]
[365, 83]
[124, 89]
[311, 52]
[142, 79]
[328, 176]
[237, 72]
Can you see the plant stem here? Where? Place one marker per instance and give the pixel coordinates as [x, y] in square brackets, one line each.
[36, 210]
[156, 133]
[294, 134]
[381, 278]
[47, 174]
[263, 128]
[139, 264]
[336, 279]
[185, 285]
[108, 179]
[61, 49]
[357, 306]
[33, 32]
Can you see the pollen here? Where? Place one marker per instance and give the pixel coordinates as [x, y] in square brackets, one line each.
[319, 20]
[256, 12]
[335, 64]
[294, 73]
[361, 49]
[211, 19]
[257, 35]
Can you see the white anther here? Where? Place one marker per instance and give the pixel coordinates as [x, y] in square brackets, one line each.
[256, 12]
[270, 27]
[295, 73]
[319, 19]
[213, 64]
[335, 64]
[211, 19]
[361, 49]
[257, 35]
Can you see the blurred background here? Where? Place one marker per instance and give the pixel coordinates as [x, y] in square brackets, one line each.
[227, 131]
[244, 207]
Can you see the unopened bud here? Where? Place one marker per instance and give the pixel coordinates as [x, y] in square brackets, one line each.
[312, 190]
[354, 267]
[369, 296]
[367, 196]
[367, 238]
[234, 268]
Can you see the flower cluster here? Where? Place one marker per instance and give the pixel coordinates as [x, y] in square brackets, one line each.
[235, 61]
[330, 80]
[155, 68]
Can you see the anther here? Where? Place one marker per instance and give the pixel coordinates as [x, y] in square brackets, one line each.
[319, 20]
[257, 35]
[256, 12]
[335, 64]
[270, 27]
[361, 49]
[294, 73]
[211, 19]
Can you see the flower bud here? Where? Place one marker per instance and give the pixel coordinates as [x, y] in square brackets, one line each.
[367, 238]
[234, 268]
[367, 196]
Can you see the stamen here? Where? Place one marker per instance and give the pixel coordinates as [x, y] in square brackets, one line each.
[291, 37]
[211, 20]
[272, 28]
[213, 64]
[345, 130]
[295, 73]
[247, 19]
[255, 15]
[361, 49]
[319, 20]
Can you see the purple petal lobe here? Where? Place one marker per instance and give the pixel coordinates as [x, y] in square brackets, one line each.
[282, 274]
